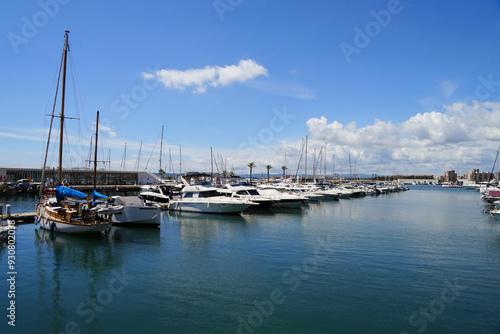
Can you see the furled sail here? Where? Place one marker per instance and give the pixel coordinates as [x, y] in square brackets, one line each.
[62, 192]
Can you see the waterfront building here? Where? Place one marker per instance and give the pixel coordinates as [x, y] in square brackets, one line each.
[476, 176]
[80, 176]
[450, 176]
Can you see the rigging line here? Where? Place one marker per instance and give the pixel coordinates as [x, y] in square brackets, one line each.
[299, 159]
[42, 179]
[55, 82]
[78, 105]
[67, 149]
[152, 151]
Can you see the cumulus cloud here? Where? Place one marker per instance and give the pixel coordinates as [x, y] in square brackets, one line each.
[431, 140]
[213, 76]
[380, 133]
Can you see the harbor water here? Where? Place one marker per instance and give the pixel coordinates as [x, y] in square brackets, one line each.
[420, 261]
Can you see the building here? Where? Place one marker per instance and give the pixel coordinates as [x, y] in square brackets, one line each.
[80, 176]
[450, 176]
[475, 176]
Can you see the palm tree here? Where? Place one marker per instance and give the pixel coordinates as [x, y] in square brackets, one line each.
[284, 168]
[161, 172]
[251, 165]
[268, 167]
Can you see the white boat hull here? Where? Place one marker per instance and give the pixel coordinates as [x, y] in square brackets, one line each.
[143, 215]
[209, 207]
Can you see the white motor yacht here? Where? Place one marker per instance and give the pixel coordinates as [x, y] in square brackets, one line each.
[157, 194]
[284, 198]
[206, 199]
[246, 191]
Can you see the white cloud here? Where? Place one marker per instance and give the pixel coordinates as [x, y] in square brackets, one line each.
[105, 129]
[380, 133]
[432, 141]
[436, 128]
[214, 76]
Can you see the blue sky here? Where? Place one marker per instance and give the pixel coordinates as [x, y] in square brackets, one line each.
[400, 86]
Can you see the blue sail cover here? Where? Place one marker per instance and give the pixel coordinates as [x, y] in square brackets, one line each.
[95, 194]
[62, 192]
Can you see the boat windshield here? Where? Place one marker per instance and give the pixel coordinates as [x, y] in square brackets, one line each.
[242, 192]
[211, 193]
[253, 192]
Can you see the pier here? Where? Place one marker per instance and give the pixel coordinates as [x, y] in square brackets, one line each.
[19, 218]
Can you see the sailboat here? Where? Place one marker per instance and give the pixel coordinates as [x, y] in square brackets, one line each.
[67, 213]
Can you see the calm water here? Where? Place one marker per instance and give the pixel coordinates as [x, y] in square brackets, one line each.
[408, 262]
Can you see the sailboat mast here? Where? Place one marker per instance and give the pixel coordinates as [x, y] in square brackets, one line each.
[306, 160]
[161, 145]
[59, 176]
[494, 163]
[95, 151]
[180, 162]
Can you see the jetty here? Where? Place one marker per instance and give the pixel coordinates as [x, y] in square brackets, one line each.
[19, 218]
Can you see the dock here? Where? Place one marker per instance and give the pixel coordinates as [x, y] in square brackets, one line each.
[107, 188]
[21, 218]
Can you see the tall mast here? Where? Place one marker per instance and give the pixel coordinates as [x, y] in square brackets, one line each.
[306, 160]
[124, 158]
[138, 158]
[333, 167]
[161, 144]
[325, 163]
[95, 151]
[350, 170]
[90, 150]
[59, 176]
[180, 162]
[170, 165]
[211, 166]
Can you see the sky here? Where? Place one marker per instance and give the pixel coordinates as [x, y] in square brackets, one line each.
[377, 87]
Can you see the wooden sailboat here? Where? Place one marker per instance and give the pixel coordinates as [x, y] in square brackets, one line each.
[67, 213]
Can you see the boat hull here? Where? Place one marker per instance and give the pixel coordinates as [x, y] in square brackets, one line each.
[138, 215]
[69, 220]
[210, 207]
[289, 203]
[53, 223]
[62, 227]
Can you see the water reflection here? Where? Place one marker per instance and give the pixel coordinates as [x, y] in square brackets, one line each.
[60, 261]
[81, 252]
[198, 230]
[144, 235]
